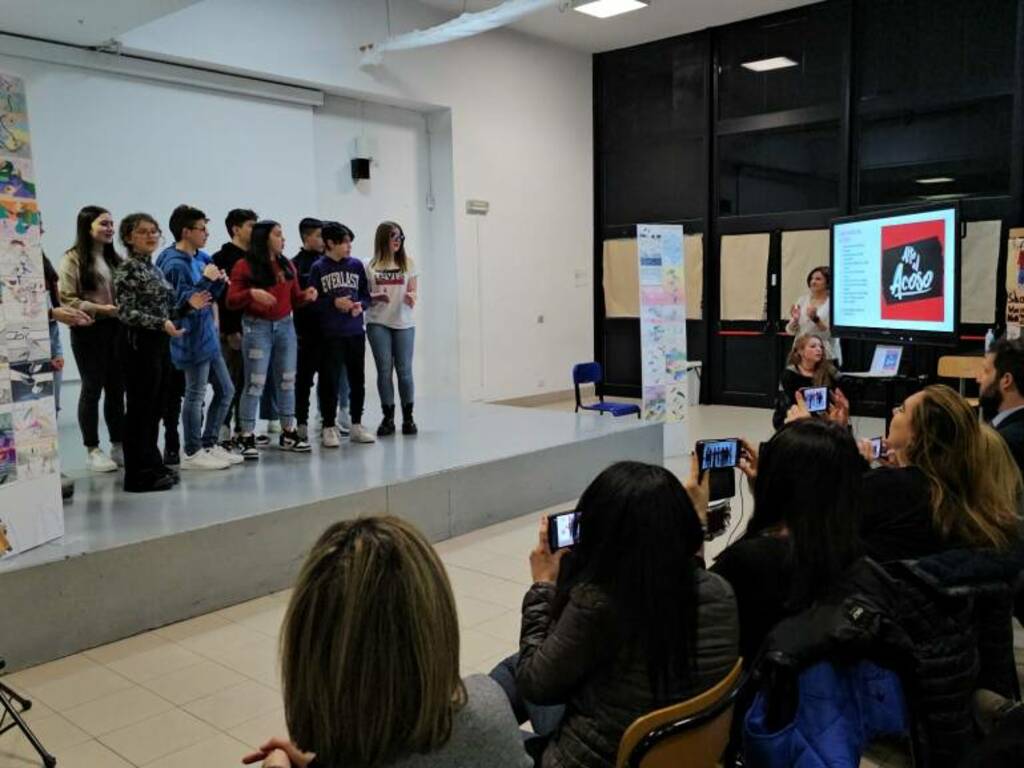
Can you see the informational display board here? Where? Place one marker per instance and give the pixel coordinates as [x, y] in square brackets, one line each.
[1015, 282]
[30, 503]
[662, 321]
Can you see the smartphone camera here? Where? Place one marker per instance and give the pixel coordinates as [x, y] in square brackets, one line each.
[876, 447]
[723, 453]
[562, 530]
[816, 399]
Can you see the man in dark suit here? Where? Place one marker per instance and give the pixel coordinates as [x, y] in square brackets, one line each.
[1002, 405]
[1001, 383]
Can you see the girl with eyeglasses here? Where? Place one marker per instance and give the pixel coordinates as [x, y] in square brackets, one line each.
[391, 325]
[147, 312]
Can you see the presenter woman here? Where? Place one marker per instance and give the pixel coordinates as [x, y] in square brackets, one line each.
[808, 366]
[810, 314]
[147, 312]
[86, 283]
[390, 325]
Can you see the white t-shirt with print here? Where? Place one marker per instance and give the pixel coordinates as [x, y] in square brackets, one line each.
[387, 277]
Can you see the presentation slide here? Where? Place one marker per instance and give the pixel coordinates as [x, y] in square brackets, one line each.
[896, 272]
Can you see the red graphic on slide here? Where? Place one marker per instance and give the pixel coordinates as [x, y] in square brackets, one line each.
[913, 261]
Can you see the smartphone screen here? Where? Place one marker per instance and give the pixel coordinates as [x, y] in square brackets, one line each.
[562, 530]
[876, 447]
[722, 453]
[816, 399]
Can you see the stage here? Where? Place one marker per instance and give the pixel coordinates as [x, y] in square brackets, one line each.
[132, 562]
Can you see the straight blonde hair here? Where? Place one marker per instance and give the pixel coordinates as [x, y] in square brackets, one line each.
[975, 484]
[370, 646]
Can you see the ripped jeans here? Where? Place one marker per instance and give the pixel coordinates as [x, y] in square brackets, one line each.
[269, 352]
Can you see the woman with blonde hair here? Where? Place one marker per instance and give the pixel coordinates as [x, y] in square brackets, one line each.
[807, 366]
[370, 662]
[952, 482]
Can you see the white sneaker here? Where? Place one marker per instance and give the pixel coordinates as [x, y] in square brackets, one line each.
[273, 426]
[117, 454]
[226, 455]
[100, 462]
[203, 459]
[329, 438]
[344, 421]
[360, 435]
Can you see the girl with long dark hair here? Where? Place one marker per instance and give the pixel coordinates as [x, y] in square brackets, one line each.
[625, 623]
[390, 324]
[147, 312]
[265, 287]
[86, 283]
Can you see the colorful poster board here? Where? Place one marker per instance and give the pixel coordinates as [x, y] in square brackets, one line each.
[662, 321]
[31, 512]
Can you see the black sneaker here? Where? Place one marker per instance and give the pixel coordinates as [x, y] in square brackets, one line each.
[249, 450]
[291, 441]
[171, 473]
[172, 458]
[262, 441]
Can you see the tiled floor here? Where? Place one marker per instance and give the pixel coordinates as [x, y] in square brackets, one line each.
[203, 692]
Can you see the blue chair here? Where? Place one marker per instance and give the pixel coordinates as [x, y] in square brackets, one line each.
[591, 373]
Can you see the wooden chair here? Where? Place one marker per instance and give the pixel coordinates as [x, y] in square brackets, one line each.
[692, 733]
[962, 367]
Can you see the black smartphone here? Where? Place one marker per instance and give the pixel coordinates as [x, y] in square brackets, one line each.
[562, 530]
[816, 399]
[723, 453]
[876, 447]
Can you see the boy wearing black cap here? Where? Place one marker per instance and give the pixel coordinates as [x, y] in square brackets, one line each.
[307, 324]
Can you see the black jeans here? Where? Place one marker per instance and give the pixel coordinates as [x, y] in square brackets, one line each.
[236, 367]
[147, 368]
[349, 351]
[305, 371]
[95, 348]
[173, 396]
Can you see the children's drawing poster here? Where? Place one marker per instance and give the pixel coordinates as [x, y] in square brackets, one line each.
[662, 321]
[30, 504]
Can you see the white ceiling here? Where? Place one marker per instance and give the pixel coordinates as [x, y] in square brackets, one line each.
[83, 22]
[663, 18]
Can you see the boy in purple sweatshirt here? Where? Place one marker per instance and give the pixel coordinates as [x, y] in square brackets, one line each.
[344, 294]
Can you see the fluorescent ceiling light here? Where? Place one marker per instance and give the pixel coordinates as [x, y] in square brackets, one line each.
[947, 196]
[604, 9]
[767, 65]
[935, 180]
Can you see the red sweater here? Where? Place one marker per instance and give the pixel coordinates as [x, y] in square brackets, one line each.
[286, 290]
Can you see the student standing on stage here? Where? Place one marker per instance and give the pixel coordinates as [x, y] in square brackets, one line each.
[264, 286]
[390, 325]
[307, 327]
[86, 283]
[189, 270]
[148, 310]
[239, 224]
[344, 296]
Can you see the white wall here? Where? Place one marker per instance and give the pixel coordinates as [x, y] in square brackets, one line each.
[521, 139]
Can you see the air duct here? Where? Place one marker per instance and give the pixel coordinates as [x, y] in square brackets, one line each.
[466, 25]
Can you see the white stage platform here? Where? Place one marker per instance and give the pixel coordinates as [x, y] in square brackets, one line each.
[131, 562]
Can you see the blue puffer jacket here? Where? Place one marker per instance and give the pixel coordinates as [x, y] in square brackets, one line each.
[840, 710]
[184, 272]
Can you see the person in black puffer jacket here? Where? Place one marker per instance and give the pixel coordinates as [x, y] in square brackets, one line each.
[634, 624]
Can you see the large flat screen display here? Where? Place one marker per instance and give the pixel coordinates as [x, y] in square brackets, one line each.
[895, 275]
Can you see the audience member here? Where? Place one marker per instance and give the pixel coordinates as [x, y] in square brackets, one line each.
[239, 223]
[947, 485]
[807, 366]
[370, 662]
[1000, 397]
[86, 283]
[625, 623]
[808, 498]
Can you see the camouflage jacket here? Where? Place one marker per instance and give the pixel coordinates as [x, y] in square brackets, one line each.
[144, 297]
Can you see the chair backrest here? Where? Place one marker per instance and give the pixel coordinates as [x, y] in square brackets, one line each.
[960, 366]
[692, 733]
[587, 373]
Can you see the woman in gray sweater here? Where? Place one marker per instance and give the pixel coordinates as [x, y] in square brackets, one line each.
[370, 662]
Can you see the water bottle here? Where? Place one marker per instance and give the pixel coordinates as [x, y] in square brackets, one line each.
[990, 338]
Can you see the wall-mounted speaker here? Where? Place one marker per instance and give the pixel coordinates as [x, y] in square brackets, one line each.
[360, 168]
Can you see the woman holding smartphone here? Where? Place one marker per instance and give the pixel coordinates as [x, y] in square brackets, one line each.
[390, 324]
[147, 314]
[808, 366]
[87, 284]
